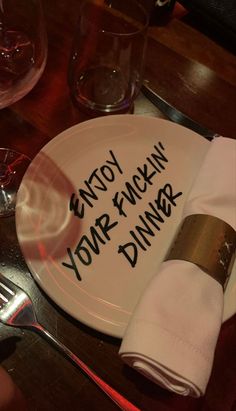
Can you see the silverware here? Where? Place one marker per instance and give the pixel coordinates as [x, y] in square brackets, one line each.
[175, 115]
[16, 310]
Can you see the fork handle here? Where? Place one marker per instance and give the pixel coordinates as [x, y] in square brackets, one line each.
[117, 398]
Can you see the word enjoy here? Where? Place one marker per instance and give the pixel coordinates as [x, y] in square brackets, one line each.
[97, 182]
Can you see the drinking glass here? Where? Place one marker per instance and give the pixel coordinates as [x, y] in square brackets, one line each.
[108, 54]
[23, 54]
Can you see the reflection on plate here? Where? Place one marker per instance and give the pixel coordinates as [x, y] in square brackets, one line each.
[97, 210]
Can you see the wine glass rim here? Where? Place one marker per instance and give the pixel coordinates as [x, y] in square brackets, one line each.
[12, 150]
[141, 26]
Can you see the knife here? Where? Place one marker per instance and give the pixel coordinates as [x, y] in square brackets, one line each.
[175, 115]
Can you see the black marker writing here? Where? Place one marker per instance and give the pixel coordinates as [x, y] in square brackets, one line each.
[139, 183]
[151, 222]
[90, 244]
[98, 181]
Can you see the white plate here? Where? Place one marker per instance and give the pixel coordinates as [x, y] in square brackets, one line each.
[109, 287]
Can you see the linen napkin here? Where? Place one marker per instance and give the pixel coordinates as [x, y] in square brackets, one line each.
[173, 332]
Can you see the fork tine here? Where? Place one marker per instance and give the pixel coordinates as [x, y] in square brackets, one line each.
[16, 307]
[7, 289]
[5, 292]
[8, 285]
[3, 299]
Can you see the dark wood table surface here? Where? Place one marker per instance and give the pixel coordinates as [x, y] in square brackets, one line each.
[197, 74]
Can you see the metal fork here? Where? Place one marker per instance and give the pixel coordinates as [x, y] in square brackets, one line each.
[16, 310]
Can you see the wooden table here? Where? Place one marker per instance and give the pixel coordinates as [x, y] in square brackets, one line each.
[198, 76]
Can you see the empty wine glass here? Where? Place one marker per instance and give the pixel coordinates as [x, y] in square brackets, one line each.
[23, 54]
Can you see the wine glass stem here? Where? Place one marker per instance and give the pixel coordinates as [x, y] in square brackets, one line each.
[5, 175]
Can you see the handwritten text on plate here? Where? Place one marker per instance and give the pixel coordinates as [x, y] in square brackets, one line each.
[149, 222]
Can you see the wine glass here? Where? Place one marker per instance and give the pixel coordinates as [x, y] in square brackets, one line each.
[23, 54]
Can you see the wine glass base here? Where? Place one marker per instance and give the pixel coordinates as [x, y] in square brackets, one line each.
[12, 168]
[7, 203]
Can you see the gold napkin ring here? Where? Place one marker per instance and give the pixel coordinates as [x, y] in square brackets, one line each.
[208, 242]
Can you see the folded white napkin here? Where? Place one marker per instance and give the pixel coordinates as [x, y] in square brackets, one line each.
[172, 334]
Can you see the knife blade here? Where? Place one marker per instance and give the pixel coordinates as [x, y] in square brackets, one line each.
[174, 114]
